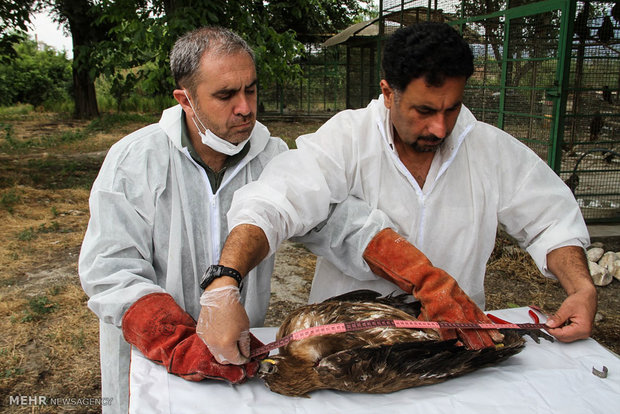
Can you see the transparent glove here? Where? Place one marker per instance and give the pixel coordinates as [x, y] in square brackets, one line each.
[224, 326]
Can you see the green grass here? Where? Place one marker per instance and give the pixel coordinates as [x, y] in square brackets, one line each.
[103, 124]
[110, 122]
[15, 111]
[9, 198]
[37, 308]
[31, 233]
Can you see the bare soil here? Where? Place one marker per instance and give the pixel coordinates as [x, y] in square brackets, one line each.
[49, 346]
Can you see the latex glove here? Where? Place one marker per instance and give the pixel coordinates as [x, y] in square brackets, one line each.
[224, 326]
[166, 334]
[393, 258]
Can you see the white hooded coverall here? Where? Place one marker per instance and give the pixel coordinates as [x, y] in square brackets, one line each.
[156, 226]
[482, 177]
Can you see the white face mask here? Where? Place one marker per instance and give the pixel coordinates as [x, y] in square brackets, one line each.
[213, 141]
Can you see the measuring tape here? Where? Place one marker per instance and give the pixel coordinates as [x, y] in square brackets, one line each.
[394, 323]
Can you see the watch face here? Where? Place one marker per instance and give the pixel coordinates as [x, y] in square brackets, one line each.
[208, 277]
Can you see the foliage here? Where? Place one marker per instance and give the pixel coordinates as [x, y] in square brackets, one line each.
[128, 41]
[14, 19]
[9, 199]
[312, 20]
[37, 307]
[35, 76]
[143, 38]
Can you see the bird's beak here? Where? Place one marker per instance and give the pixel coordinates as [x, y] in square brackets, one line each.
[267, 367]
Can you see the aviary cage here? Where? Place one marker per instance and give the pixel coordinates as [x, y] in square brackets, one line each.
[547, 72]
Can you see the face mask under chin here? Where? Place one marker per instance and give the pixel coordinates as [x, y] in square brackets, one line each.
[213, 141]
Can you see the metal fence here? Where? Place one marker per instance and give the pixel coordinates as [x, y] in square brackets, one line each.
[547, 72]
[320, 91]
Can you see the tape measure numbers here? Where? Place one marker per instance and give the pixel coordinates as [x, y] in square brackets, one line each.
[394, 323]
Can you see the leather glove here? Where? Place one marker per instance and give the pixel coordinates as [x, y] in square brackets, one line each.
[393, 258]
[166, 334]
[224, 326]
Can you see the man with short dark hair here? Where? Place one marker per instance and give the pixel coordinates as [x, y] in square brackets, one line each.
[158, 211]
[434, 183]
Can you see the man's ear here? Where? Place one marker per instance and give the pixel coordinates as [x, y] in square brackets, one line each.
[183, 100]
[388, 94]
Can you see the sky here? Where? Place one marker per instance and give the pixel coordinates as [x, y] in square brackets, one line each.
[50, 33]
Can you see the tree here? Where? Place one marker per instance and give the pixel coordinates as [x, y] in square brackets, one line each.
[14, 19]
[312, 20]
[81, 17]
[111, 37]
[34, 76]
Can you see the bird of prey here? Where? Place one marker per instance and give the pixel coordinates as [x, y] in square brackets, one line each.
[596, 125]
[606, 31]
[572, 182]
[581, 22]
[375, 360]
[607, 94]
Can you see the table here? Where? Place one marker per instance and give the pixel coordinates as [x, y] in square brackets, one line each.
[543, 378]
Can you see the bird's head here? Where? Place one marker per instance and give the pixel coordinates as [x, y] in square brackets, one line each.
[288, 376]
[267, 366]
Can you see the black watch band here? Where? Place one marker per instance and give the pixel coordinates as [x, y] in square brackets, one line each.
[215, 271]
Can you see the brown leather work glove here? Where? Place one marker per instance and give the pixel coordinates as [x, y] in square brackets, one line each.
[393, 258]
[166, 334]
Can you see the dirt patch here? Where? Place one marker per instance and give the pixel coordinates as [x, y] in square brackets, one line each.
[291, 281]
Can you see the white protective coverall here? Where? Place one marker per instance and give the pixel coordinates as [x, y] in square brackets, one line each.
[480, 178]
[156, 226]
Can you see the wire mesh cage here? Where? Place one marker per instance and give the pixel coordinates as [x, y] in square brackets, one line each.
[547, 72]
[320, 89]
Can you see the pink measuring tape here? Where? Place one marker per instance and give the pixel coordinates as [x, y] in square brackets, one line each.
[394, 323]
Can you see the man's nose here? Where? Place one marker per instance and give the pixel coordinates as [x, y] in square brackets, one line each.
[243, 105]
[438, 125]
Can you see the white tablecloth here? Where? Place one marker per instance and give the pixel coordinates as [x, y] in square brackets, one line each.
[543, 378]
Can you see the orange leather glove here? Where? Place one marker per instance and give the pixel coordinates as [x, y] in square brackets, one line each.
[166, 334]
[393, 258]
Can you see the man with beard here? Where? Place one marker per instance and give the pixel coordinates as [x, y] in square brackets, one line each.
[158, 209]
[431, 182]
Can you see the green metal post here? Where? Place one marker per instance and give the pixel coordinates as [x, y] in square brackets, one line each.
[505, 49]
[562, 77]
[379, 42]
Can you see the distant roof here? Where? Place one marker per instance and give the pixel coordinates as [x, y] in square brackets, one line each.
[365, 28]
[393, 20]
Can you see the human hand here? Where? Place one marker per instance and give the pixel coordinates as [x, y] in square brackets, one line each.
[166, 335]
[224, 326]
[575, 317]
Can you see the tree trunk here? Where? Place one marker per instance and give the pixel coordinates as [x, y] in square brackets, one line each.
[84, 94]
[86, 35]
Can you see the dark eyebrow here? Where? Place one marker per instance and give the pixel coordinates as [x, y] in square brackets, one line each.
[456, 105]
[431, 109]
[227, 91]
[424, 108]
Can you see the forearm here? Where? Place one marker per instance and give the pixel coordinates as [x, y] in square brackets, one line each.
[575, 317]
[569, 264]
[223, 324]
[245, 247]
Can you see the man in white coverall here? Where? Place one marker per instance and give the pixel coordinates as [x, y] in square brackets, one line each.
[431, 179]
[158, 212]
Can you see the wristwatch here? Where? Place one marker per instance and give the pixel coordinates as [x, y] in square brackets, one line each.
[215, 271]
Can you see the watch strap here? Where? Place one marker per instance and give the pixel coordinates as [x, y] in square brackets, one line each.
[216, 271]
